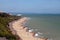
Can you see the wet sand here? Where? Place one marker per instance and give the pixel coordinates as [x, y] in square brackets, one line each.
[18, 28]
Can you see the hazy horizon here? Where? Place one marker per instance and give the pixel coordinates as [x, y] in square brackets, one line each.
[30, 6]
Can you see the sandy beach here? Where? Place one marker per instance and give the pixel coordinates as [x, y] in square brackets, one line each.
[18, 28]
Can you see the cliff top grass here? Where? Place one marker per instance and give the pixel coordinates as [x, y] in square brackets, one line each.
[5, 18]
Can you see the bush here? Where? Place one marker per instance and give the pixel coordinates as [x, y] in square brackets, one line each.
[4, 30]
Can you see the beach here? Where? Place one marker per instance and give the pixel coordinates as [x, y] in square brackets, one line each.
[17, 27]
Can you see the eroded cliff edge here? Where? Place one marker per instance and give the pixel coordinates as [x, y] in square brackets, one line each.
[5, 32]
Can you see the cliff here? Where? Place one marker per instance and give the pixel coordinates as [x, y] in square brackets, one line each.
[5, 18]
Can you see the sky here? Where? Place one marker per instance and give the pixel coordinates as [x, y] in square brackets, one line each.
[30, 6]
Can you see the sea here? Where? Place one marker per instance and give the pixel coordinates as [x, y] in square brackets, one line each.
[48, 24]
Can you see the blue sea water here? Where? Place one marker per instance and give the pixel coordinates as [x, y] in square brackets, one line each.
[48, 24]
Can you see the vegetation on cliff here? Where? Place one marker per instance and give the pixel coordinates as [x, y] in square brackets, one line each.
[5, 18]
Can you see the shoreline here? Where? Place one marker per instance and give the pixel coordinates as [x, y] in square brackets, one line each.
[18, 28]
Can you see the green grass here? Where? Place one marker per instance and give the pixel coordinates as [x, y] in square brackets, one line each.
[4, 30]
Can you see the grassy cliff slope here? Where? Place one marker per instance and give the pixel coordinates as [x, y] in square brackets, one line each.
[5, 18]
